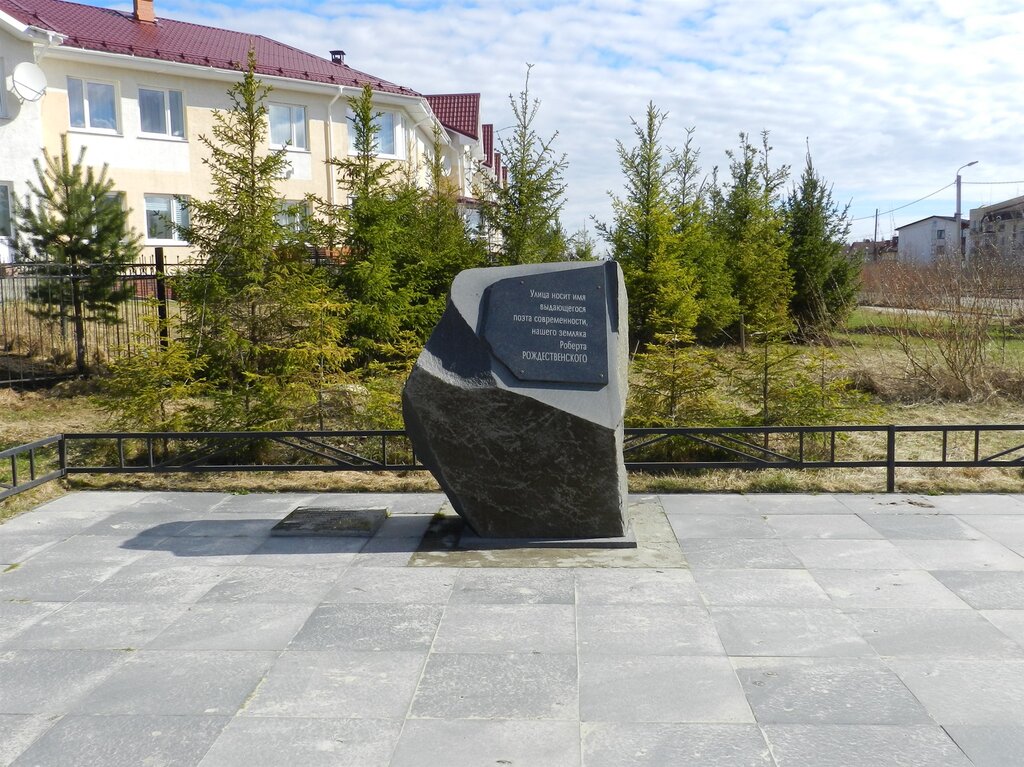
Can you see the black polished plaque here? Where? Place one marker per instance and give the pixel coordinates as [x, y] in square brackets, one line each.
[550, 327]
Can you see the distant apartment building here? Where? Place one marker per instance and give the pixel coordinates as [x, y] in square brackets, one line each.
[928, 240]
[997, 230]
[136, 91]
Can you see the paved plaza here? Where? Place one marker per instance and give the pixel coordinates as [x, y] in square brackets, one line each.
[155, 628]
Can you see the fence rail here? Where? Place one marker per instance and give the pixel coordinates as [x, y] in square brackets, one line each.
[749, 448]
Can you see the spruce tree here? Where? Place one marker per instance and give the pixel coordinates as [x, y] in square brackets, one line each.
[371, 233]
[72, 225]
[661, 284]
[825, 279]
[266, 324]
[748, 222]
[523, 215]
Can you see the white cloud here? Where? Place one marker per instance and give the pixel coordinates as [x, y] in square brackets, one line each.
[893, 96]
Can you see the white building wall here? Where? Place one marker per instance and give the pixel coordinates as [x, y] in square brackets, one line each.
[924, 241]
[21, 134]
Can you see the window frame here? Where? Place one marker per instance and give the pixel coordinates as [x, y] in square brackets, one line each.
[178, 218]
[7, 193]
[292, 214]
[88, 127]
[292, 144]
[397, 130]
[168, 117]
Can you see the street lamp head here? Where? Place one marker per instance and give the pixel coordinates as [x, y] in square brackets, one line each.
[967, 165]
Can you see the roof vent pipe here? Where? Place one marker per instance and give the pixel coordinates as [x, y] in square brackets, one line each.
[338, 57]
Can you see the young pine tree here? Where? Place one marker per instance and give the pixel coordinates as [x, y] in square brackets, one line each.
[73, 226]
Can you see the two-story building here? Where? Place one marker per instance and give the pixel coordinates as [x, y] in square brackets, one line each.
[997, 230]
[136, 91]
[928, 240]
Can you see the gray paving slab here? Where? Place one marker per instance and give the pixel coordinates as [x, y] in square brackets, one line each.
[280, 504]
[59, 524]
[979, 503]
[147, 582]
[954, 691]
[647, 630]
[18, 731]
[738, 553]
[803, 745]
[176, 502]
[91, 549]
[52, 681]
[268, 585]
[512, 586]
[940, 527]
[961, 555]
[370, 627]
[864, 589]
[124, 741]
[273, 742]
[1007, 529]
[788, 631]
[507, 629]
[338, 684]
[227, 626]
[792, 503]
[431, 585]
[508, 686]
[660, 688]
[210, 552]
[993, 746]
[18, 547]
[701, 503]
[16, 616]
[100, 501]
[306, 552]
[613, 744]
[1010, 622]
[635, 586]
[827, 526]
[717, 525]
[97, 626]
[179, 683]
[53, 581]
[983, 590]
[887, 503]
[933, 633]
[142, 521]
[782, 588]
[827, 691]
[850, 555]
[428, 743]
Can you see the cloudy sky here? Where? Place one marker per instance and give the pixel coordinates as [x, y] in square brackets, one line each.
[893, 96]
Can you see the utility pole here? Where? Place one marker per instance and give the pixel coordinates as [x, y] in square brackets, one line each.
[874, 240]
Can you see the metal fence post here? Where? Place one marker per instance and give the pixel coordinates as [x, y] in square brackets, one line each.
[890, 460]
[161, 296]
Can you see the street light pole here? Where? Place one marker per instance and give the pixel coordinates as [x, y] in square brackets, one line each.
[956, 218]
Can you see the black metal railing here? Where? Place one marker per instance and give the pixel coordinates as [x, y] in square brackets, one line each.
[645, 450]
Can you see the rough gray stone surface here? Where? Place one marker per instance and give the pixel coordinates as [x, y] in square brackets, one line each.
[521, 458]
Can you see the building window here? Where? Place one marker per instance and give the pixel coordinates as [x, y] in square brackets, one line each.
[162, 112]
[389, 139]
[166, 214]
[93, 105]
[940, 234]
[292, 214]
[287, 126]
[6, 228]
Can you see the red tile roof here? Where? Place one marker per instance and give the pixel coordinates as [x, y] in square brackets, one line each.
[458, 111]
[488, 144]
[102, 29]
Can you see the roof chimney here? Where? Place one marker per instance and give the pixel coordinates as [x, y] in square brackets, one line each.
[338, 57]
[144, 11]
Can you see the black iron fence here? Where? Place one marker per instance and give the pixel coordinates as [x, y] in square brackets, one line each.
[645, 450]
[36, 350]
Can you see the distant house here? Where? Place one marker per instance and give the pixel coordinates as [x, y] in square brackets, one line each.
[997, 230]
[137, 91]
[928, 240]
